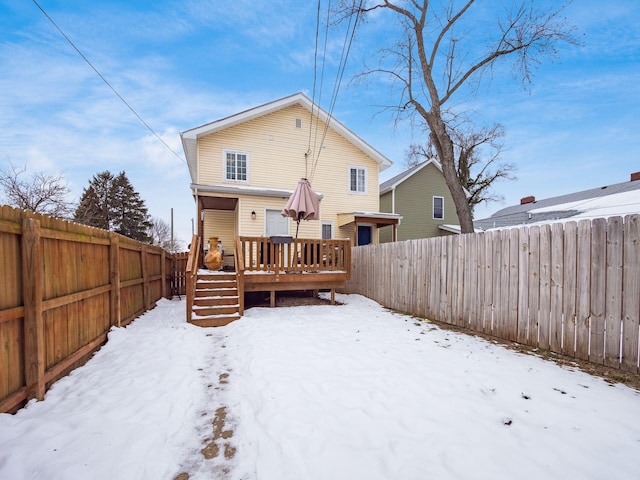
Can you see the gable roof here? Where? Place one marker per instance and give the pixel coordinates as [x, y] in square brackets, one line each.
[401, 177]
[190, 137]
[617, 199]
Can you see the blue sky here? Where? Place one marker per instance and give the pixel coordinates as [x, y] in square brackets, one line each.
[184, 63]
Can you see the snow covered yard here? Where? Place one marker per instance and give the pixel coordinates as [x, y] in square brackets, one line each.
[319, 392]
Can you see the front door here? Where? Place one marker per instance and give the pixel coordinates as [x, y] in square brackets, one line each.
[275, 223]
[364, 235]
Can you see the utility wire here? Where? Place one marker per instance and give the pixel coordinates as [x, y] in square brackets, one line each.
[324, 58]
[313, 95]
[107, 83]
[346, 47]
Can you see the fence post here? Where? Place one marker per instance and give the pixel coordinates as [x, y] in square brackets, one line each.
[163, 273]
[114, 275]
[145, 278]
[32, 275]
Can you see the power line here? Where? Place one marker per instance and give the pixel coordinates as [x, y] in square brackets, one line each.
[346, 47]
[108, 84]
[324, 57]
[313, 95]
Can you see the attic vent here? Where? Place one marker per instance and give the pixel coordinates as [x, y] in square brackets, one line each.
[298, 123]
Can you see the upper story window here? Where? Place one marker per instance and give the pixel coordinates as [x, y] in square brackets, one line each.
[236, 166]
[357, 180]
[438, 208]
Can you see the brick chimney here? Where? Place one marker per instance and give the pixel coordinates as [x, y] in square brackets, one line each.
[635, 176]
[529, 199]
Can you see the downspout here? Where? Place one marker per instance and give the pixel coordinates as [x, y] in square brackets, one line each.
[393, 199]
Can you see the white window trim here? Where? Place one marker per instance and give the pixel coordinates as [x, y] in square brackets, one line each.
[331, 224]
[433, 208]
[366, 176]
[224, 165]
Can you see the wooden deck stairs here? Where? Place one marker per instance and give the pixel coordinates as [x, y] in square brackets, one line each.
[216, 302]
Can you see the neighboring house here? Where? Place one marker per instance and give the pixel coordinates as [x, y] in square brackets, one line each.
[244, 168]
[421, 196]
[611, 200]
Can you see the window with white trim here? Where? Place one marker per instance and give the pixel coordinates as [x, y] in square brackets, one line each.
[327, 230]
[236, 166]
[438, 208]
[357, 180]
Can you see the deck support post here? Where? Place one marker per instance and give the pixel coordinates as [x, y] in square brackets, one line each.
[272, 298]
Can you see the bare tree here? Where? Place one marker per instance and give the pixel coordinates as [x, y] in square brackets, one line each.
[443, 47]
[160, 233]
[477, 161]
[39, 192]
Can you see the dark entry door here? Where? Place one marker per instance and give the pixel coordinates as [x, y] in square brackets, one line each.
[364, 235]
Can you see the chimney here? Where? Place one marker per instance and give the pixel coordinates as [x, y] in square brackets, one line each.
[635, 176]
[529, 199]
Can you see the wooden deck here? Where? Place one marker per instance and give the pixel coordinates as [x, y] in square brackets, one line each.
[273, 264]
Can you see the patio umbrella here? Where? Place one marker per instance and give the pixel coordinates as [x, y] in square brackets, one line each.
[302, 204]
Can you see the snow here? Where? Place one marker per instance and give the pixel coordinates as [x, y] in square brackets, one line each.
[623, 203]
[349, 391]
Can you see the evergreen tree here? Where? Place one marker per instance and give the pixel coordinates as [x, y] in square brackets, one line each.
[111, 203]
[95, 204]
[130, 215]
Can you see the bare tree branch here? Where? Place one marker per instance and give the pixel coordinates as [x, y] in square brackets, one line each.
[441, 49]
[39, 193]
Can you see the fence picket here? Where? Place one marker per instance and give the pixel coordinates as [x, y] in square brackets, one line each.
[569, 288]
[545, 286]
[598, 285]
[583, 290]
[613, 296]
[556, 325]
[489, 240]
[631, 294]
[523, 285]
[534, 286]
[511, 317]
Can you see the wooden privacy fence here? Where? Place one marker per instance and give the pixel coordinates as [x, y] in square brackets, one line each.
[571, 288]
[62, 287]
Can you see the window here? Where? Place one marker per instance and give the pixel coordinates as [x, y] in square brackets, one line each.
[357, 179]
[438, 208]
[236, 166]
[327, 230]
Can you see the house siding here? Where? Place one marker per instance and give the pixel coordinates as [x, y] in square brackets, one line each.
[414, 201]
[386, 205]
[276, 160]
[221, 224]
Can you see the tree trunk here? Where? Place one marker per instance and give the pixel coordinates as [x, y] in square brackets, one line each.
[444, 146]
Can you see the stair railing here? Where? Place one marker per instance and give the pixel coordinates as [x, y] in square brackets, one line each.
[240, 267]
[191, 273]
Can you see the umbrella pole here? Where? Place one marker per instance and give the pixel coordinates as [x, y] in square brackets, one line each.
[297, 226]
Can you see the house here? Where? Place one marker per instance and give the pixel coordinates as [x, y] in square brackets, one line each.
[243, 170]
[610, 200]
[421, 196]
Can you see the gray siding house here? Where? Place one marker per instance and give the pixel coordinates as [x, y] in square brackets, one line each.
[575, 205]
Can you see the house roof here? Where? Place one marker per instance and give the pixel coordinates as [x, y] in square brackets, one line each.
[617, 199]
[401, 177]
[190, 137]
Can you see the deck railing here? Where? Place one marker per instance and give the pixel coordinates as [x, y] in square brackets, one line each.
[283, 254]
[191, 273]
